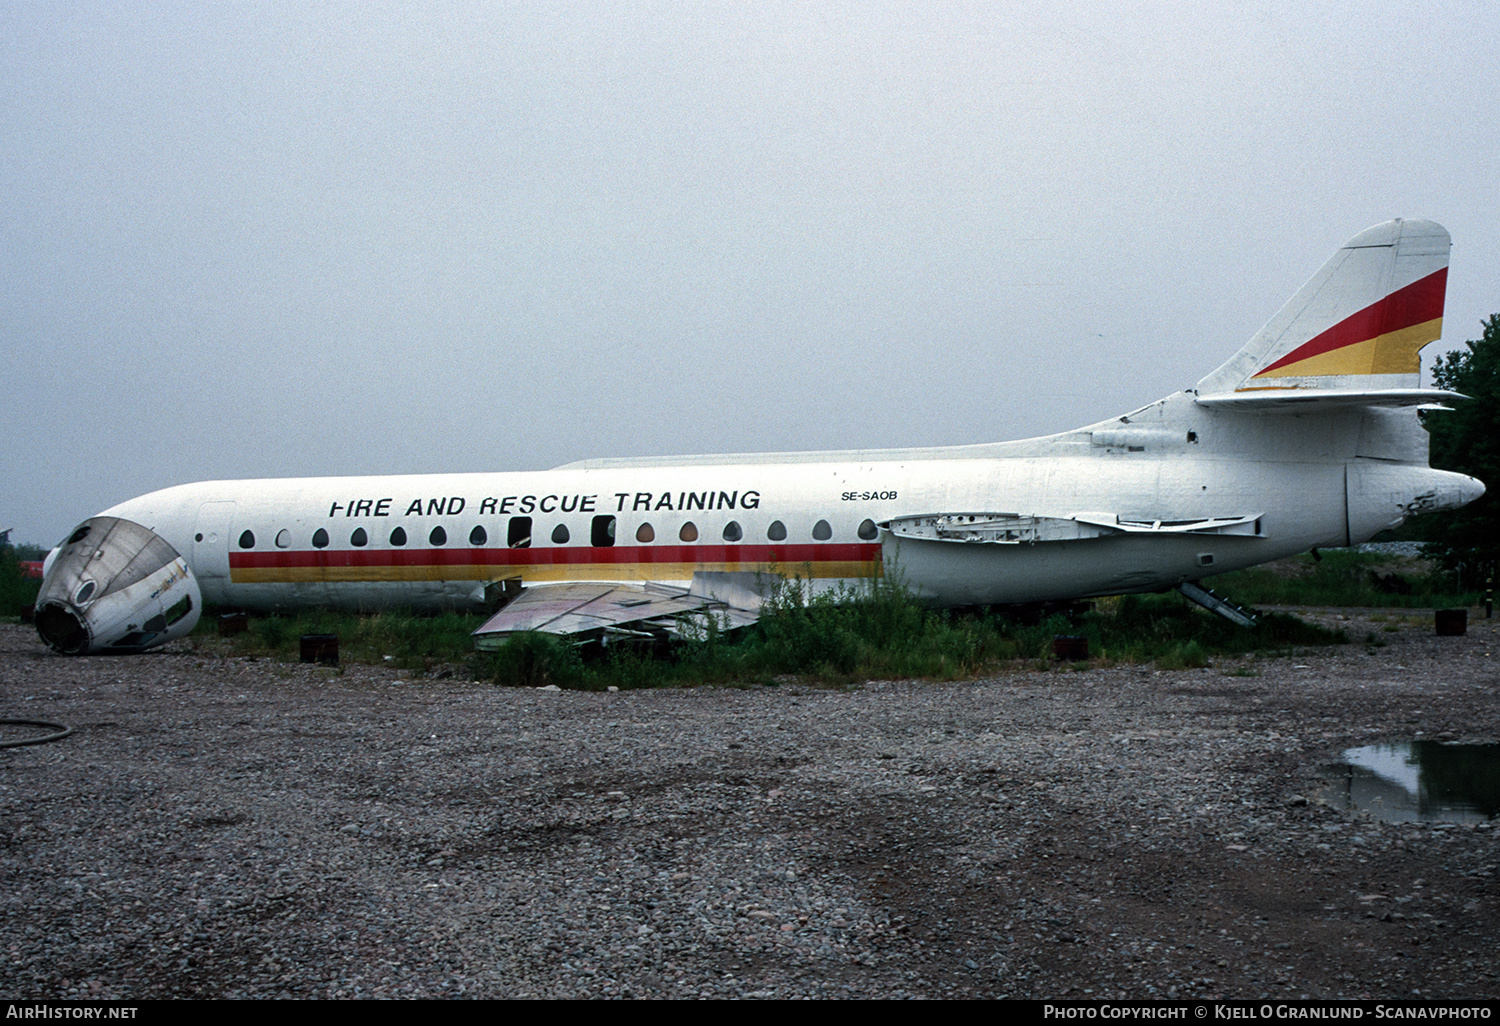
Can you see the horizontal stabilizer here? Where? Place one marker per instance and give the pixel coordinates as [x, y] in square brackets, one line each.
[1308, 400]
[1021, 529]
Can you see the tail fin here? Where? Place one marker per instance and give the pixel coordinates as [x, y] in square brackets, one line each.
[1355, 328]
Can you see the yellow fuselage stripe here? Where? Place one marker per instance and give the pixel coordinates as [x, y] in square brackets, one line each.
[547, 572]
[1395, 352]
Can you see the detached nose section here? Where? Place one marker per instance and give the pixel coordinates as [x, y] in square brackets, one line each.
[115, 586]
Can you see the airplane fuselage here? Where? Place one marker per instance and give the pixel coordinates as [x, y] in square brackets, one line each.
[1308, 436]
[428, 541]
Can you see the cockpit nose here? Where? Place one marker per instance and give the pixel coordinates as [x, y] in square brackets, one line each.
[115, 586]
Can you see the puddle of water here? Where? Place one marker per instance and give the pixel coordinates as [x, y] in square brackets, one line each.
[1417, 781]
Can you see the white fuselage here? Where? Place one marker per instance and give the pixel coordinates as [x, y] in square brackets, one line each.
[443, 540]
[1307, 436]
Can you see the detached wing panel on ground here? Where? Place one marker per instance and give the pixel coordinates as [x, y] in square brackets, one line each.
[598, 609]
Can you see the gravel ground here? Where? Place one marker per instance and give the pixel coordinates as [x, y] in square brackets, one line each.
[223, 827]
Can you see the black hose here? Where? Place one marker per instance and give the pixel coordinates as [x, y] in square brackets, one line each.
[61, 732]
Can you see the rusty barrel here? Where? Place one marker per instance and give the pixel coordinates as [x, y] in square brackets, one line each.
[1070, 647]
[1452, 623]
[320, 648]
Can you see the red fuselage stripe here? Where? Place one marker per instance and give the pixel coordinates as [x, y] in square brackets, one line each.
[788, 555]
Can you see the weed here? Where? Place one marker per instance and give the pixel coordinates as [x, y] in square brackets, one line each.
[1345, 577]
[1188, 655]
[532, 660]
[834, 638]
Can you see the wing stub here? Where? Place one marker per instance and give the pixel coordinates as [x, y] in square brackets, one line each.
[1025, 529]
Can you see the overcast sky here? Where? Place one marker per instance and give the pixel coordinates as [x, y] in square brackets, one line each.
[250, 240]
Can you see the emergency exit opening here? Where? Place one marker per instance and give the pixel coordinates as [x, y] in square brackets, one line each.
[603, 534]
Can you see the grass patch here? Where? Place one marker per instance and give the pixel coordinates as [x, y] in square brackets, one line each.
[1345, 577]
[843, 637]
[411, 641]
[1175, 634]
[832, 639]
[840, 638]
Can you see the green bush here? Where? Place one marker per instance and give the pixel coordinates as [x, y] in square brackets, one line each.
[16, 590]
[532, 660]
[1345, 577]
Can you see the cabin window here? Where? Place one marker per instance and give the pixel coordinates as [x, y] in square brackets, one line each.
[821, 531]
[518, 533]
[478, 536]
[247, 540]
[645, 534]
[732, 532]
[560, 534]
[359, 539]
[398, 537]
[438, 536]
[868, 530]
[777, 531]
[283, 539]
[320, 539]
[689, 532]
[603, 533]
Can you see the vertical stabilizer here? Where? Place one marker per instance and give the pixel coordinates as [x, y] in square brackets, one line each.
[1358, 325]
